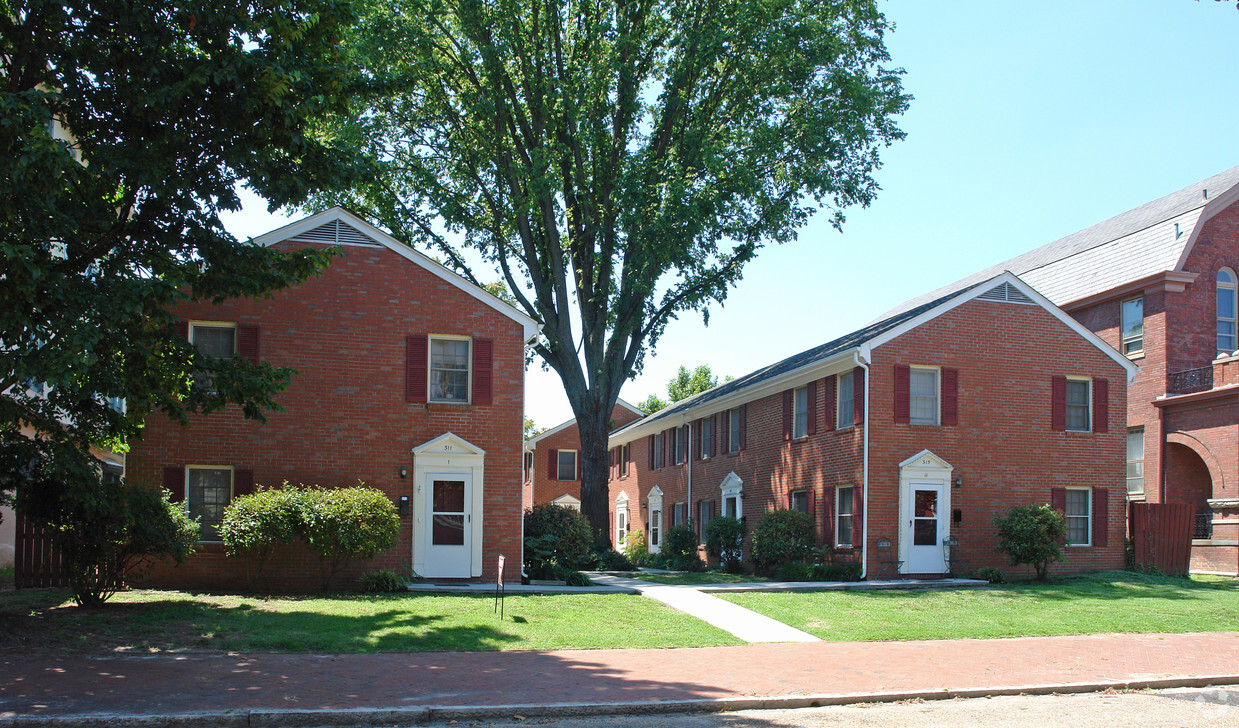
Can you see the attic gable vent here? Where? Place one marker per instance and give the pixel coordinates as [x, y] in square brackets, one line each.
[1006, 293]
[337, 233]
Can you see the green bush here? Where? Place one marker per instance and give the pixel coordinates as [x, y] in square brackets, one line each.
[556, 537]
[679, 549]
[725, 541]
[992, 574]
[255, 524]
[793, 571]
[611, 560]
[635, 547]
[1031, 535]
[572, 577]
[781, 537]
[343, 524]
[383, 581]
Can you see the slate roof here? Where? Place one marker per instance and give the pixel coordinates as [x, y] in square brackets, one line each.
[1133, 245]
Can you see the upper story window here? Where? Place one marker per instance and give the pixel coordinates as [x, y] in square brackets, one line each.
[218, 340]
[734, 426]
[449, 370]
[1227, 304]
[800, 412]
[1132, 326]
[566, 465]
[923, 396]
[625, 454]
[846, 415]
[656, 451]
[707, 437]
[1079, 402]
[681, 445]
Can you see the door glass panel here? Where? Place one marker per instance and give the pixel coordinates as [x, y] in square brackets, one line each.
[448, 515]
[925, 532]
[448, 530]
[925, 518]
[449, 496]
[926, 504]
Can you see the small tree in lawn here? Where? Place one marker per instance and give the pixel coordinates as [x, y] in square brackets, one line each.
[343, 524]
[1031, 535]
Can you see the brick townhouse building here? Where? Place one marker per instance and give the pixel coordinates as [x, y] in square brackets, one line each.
[552, 465]
[904, 439]
[409, 379]
[1159, 283]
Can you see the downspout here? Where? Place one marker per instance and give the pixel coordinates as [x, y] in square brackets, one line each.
[864, 546]
[688, 462]
[521, 563]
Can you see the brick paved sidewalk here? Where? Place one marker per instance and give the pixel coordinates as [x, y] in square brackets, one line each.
[33, 684]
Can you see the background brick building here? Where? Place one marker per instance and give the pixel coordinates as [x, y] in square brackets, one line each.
[552, 462]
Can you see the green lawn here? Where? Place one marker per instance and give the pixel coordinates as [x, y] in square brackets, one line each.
[165, 620]
[696, 578]
[1099, 603]
[6, 577]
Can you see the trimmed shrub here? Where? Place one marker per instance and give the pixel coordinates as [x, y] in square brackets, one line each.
[556, 536]
[781, 537]
[679, 549]
[343, 524]
[572, 577]
[725, 541]
[1031, 535]
[611, 560]
[383, 581]
[992, 574]
[254, 524]
[635, 547]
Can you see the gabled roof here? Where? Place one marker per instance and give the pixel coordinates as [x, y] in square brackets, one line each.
[338, 226]
[856, 346]
[619, 401]
[1151, 239]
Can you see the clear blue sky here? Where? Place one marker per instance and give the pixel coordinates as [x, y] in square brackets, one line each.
[1031, 120]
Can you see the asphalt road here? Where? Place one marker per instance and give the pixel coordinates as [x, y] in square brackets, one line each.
[1178, 708]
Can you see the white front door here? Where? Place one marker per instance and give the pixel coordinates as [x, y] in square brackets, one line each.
[449, 540]
[925, 529]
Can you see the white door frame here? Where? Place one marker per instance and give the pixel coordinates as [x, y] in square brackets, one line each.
[655, 499]
[926, 469]
[441, 458]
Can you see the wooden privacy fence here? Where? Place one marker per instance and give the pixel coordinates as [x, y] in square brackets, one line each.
[1161, 536]
[37, 561]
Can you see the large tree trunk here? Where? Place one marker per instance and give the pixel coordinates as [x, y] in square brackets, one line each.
[595, 473]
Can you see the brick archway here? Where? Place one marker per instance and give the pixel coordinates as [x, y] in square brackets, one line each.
[1204, 453]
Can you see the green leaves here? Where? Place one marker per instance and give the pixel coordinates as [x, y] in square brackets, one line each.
[1032, 535]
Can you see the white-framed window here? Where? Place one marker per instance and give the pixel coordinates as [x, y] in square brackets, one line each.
[1135, 461]
[1079, 404]
[1079, 516]
[213, 339]
[843, 515]
[621, 519]
[733, 430]
[923, 396]
[657, 447]
[1227, 310]
[800, 501]
[208, 492]
[681, 445]
[800, 412]
[566, 465]
[528, 466]
[449, 369]
[707, 437]
[732, 490]
[731, 506]
[656, 527]
[846, 397]
[625, 456]
[1132, 326]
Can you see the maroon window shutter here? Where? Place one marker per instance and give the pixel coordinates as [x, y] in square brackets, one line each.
[787, 415]
[242, 482]
[247, 342]
[788, 503]
[1101, 517]
[1058, 500]
[903, 389]
[1058, 403]
[858, 517]
[713, 509]
[416, 376]
[668, 443]
[811, 506]
[828, 422]
[174, 483]
[696, 454]
[744, 426]
[950, 396]
[858, 395]
[483, 371]
[696, 516]
[650, 448]
[721, 427]
[181, 329]
[828, 516]
[811, 407]
[1101, 405]
[552, 464]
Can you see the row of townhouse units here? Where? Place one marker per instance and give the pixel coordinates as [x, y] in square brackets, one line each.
[902, 440]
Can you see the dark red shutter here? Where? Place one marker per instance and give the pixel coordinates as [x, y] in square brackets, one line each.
[787, 415]
[247, 342]
[744, 426]
[650, 447]
[713, 509]
[668, 443]
[1101, 405]
[174, 483]
[1058, 501]
[811, 506]
[858, 395]
[181, 329]
[242, 482]
[696, 455]
[552, 464]
[483, 371]
[828, 517]
[858, 518]
[697, 524]
[416, 376]
[788, 504]
[950, 396]
[828, 422]
[903, 389]
[1058, 403]
[723, 423]
[811, 407]
[1101, 517]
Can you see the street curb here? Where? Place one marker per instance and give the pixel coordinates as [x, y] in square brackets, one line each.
[414, 715]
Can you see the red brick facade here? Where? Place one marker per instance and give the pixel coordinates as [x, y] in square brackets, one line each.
[1002, 448]
[346, 415]
[542, 481]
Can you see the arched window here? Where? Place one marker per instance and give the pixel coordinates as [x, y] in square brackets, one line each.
[1227, 287]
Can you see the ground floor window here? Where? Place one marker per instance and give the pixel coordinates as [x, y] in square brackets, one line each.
[209, 492]
[799, 501]
[1078, 513]
[656, 527]
[1135, 461]
[621, 521]
[843, 516]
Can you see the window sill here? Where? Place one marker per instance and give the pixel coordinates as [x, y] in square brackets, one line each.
[1137, 356]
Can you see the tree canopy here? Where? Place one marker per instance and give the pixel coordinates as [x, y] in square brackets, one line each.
[683, 385]
[618, 163]
[125, 129]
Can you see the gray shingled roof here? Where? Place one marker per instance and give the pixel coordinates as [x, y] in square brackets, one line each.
[796, 361]
[1133, 245]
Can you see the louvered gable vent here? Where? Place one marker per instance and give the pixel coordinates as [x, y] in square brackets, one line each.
[1006, 293]
[337, 233]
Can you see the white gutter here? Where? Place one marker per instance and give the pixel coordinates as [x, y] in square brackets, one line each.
[864, 545]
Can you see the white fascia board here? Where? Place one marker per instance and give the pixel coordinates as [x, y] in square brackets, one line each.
[529, 326]
[630, 407]
[788, 380]
[1212, 207]
[1015, 281]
